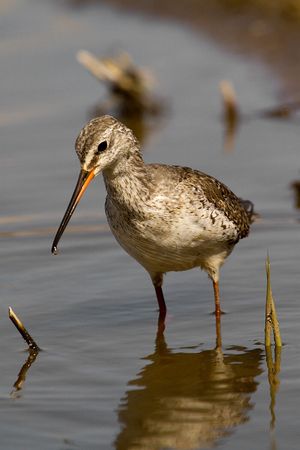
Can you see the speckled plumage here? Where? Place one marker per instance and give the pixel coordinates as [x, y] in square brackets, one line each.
[168, 218]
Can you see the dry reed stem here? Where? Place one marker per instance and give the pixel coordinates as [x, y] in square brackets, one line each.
[231, 113]
[231, 109]
[119, 71]
[22, 330]
[271, 320]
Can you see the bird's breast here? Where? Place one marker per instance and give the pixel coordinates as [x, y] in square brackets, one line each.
[170, 240]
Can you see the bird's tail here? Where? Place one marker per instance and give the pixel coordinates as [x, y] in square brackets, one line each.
[249, 208]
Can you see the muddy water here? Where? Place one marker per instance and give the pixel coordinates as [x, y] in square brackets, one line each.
[104, 379]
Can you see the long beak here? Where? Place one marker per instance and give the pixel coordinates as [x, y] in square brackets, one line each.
[84, 180]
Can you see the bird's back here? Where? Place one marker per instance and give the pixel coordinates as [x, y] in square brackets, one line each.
[201, 195]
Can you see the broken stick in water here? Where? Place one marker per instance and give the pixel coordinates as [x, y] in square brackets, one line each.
[231, 114]
[271, 321]
[22, 330]
[19, 383]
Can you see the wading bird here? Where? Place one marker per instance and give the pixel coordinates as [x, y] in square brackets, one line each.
[168, 218]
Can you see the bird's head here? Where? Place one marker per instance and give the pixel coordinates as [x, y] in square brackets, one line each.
[101, 145]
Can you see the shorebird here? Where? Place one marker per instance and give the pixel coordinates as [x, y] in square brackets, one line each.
[168, 218]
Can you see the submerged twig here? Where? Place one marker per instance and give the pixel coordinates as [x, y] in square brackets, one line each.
[273, 365]
[22, 330]
[233, 116]
[119, 72]
[130, 91]
[231, 110]
[295, 185]
[231, 113]
[18, 385]
[281, 111]
[271, 321]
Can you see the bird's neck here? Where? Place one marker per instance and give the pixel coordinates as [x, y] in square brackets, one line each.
[128, 182]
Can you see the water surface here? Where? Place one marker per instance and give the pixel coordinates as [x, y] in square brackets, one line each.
[104, 379]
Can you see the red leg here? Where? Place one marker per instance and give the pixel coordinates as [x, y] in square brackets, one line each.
[218, 332]
[161, 303]
[217, 299]
[161, 325]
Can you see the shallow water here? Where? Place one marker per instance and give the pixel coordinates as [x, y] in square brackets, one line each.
[104, 379]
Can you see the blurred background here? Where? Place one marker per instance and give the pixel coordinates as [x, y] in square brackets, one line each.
[103, 379]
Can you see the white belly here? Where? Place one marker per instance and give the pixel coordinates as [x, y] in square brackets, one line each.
[160, 245]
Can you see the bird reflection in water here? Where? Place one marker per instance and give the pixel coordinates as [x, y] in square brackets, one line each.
[183, 400]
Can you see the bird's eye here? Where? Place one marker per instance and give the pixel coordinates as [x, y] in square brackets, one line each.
[102, 146]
